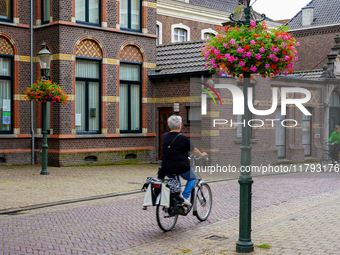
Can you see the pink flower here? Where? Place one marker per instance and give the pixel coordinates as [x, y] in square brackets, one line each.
[249, 54]
[243, 55]
[240, 50]
[227, 55]
[267, 66]
[225, 45]
[296, 58]
[275, 59]
[231, 59]
[272, 55]
[297, 44]
[253, 68]
[262, 50]
[275, 49]
[258, 56]
[232, 41]
[252, 23]
[286, 58]
[242, 63]
[252, 42]
[285, 37]
[283, 45]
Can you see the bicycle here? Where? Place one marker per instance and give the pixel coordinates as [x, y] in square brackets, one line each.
[201, 200]
[326, 159]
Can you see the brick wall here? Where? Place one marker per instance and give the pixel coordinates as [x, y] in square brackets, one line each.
[195, 27]
[315, 43]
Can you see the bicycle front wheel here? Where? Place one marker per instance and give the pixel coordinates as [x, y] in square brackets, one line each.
[164, 220]
[203, 202]
[325, 162]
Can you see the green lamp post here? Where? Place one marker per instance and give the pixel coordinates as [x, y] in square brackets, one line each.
[244, 243]
[45, 58]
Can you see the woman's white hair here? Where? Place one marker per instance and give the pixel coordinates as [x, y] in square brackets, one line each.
[174, 122]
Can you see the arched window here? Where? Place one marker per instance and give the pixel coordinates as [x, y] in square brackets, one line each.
[88, 87]
[6, 85]
[180, 33]
[130, 90]
[207, 33]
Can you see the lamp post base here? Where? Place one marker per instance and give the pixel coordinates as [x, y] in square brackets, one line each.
[44, 172]
[244, 246]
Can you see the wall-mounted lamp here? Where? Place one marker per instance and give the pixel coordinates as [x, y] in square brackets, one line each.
[176, 107]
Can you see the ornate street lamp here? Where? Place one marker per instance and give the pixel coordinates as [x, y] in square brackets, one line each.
[45, 58]
[244, 243]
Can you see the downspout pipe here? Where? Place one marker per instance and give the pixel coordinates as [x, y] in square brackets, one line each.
[32, 109]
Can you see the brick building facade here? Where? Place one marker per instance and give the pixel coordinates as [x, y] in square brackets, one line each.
[93, 46]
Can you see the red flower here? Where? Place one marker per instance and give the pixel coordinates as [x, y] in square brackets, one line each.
[219, 28]
[244, 69]
[246, 47]
[255, 36]
[274, 66]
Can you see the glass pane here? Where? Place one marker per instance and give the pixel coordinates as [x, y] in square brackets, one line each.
[163, 127]
[5, 8]
[195, 113]
[80, 10]
[87, 69]
[123, 107]
[135, 107]
[124, 13]
[164, 117]
[157, 34]
[129, 72]
[94, 11]
[93, 106]
[46, 11]
[5, 66]
[80, 106]
[5, 105]
[135, 14]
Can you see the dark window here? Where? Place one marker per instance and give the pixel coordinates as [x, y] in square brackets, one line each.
[307, 130]
[130, 14]
[6, 94]
[45, 8]
[6, 10]
[88, 11]
[130, 98]
[280, 134]
[88, 96]
[193, 114]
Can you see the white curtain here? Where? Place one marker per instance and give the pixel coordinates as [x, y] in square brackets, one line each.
[123, 107]
[280, 134]
[46, 11]
[123, 13]
[80, 10]
[94, 106]
[135, 107]
[5, 93]
[135, 14]
[129, 72]
[87, 69]
[94, 11]
[80, 106]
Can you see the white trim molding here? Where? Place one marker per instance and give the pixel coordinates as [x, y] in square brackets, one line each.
[180, 25]
[160, 32]
[208, 30]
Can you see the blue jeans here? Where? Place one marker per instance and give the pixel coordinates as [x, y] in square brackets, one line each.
[191, 178]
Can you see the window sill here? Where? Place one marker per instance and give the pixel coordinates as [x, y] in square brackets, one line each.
[239, 141]
[8, 136]
[133, 135]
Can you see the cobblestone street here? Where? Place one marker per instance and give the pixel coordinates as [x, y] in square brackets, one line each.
[119, 225]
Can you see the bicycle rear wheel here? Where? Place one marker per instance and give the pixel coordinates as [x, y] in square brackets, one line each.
[164, 220]
[325, 162]
[203, 202]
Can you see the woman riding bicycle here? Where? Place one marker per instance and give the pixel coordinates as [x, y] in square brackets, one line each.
[334, 150]
[176, 161]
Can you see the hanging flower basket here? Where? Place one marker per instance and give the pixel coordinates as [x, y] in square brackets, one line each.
[44, 91]
[254, 49]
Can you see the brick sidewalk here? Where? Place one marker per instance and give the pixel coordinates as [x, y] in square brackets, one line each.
[22, 186]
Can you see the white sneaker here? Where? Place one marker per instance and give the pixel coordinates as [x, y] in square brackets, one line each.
[186, 202]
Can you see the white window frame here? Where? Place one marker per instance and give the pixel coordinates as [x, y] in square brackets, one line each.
[160, 32]
[180, 25]
[208, 30]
